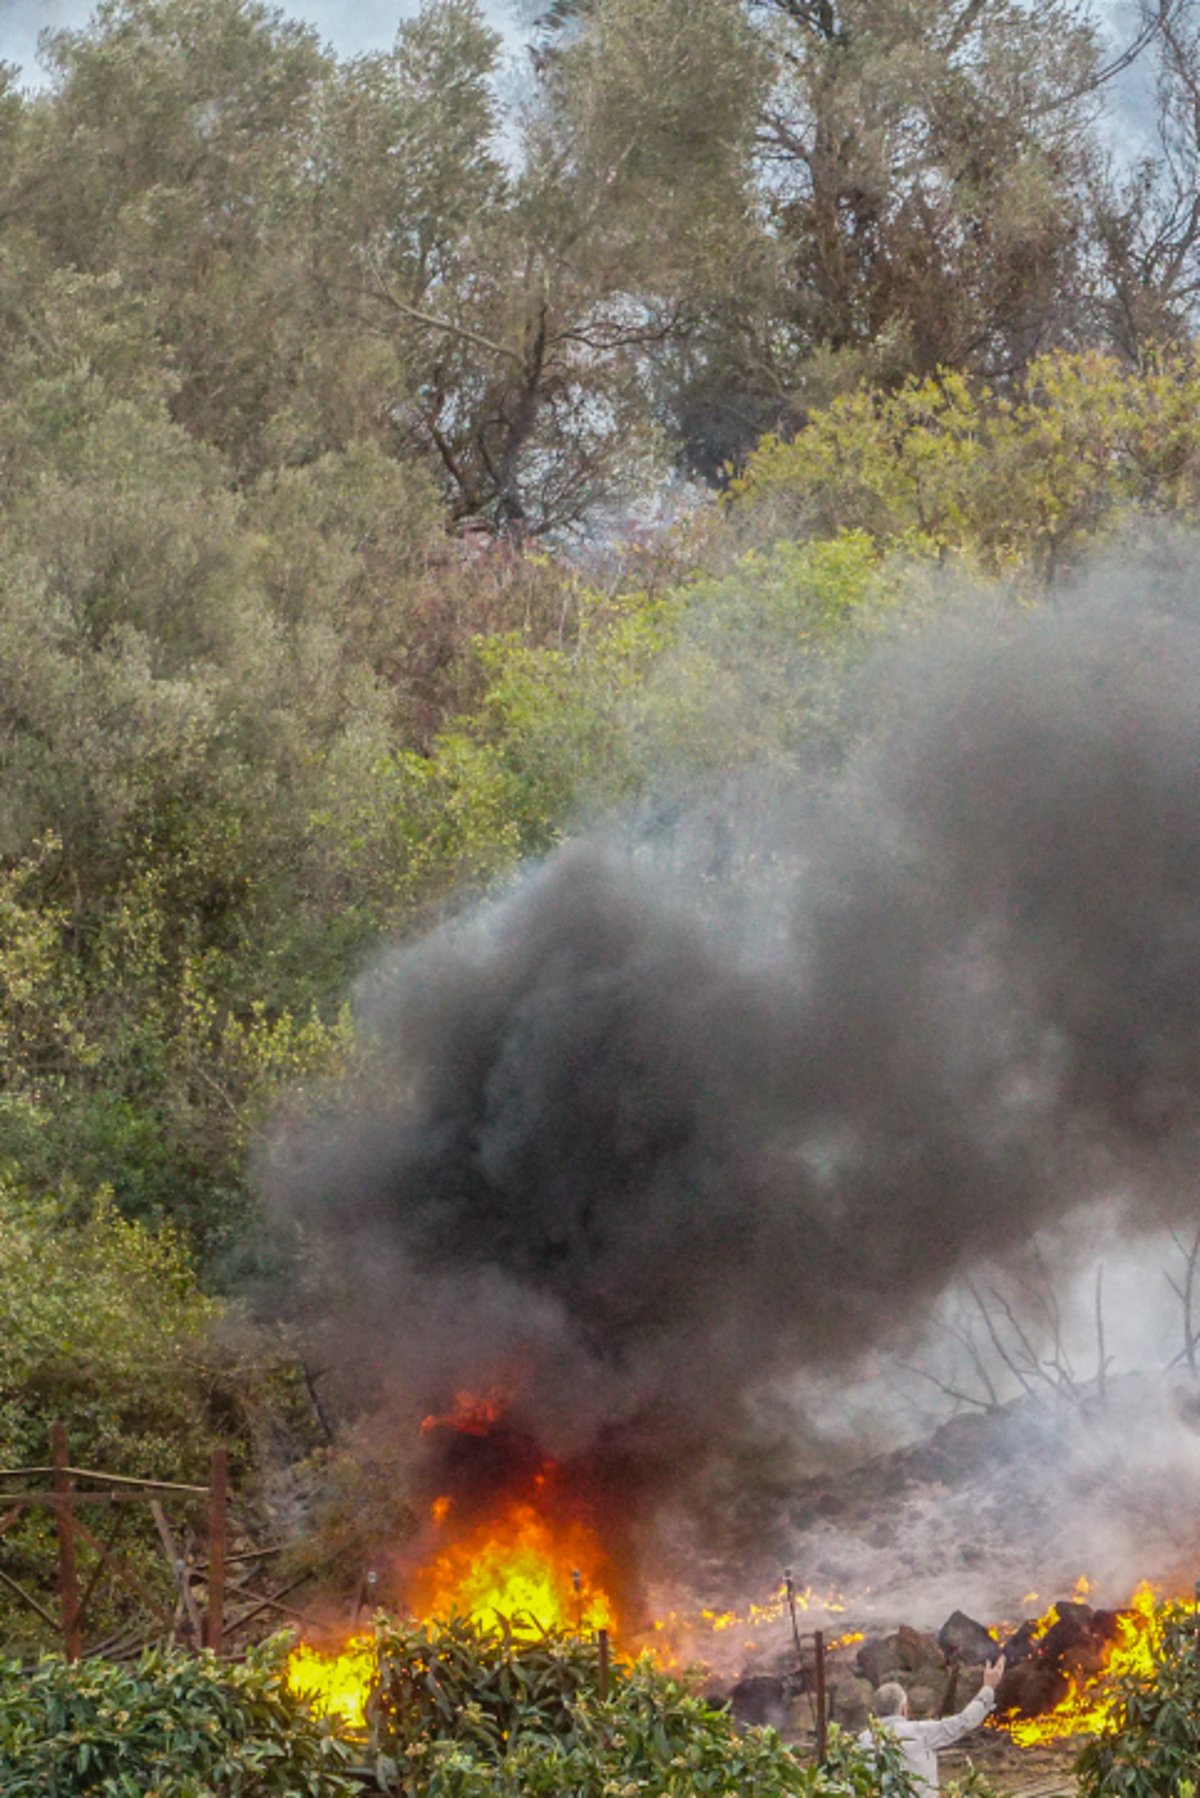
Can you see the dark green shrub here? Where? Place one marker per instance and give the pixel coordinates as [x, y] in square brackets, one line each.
[463, 1712]
[174, 1725]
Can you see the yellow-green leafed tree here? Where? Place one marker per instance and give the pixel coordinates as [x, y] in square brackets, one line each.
[1032, 479]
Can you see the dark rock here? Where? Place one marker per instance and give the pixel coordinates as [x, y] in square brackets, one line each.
[920, 1650]
[1029, 1689]
[1021, 1644]
[927, 1693]
[967, 1682]
[849, 1699]
[1085, 1657]
[962, 1639]
[875, 1660]
[907, 1649]
[758, 1700]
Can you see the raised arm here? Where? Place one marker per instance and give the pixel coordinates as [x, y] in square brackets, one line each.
[944, 1731]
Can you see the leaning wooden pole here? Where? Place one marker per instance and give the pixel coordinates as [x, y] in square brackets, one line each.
[68, 1576]
[218, 1512]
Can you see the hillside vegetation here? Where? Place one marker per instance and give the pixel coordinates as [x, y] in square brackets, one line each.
[341, 403]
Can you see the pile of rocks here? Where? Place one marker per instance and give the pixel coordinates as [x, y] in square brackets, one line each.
[940, 1674]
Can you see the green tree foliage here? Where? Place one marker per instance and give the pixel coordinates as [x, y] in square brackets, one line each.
[1152, 1747]
[534, 300]
[662, 692]
[1082, 446]
[925, 177]
[173, 1725]
[276, 327]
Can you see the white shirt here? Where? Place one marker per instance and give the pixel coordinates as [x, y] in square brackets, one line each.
[919, 1742]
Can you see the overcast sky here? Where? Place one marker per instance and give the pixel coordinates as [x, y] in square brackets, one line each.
[349, 25]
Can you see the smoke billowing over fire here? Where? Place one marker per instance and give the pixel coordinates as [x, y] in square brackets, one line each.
[676, 1118]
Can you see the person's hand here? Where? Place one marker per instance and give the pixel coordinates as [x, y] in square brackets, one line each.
[994, 1672]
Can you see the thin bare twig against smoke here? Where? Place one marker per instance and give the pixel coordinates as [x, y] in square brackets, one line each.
[634, 1154]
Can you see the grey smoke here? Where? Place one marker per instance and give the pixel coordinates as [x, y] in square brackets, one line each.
[659, 1129]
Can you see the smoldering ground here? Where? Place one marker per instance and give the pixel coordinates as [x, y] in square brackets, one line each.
[659, 1128]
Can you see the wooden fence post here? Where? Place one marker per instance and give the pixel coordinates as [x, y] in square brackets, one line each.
[822, 1720]
[218, 1507]
[68, 1577]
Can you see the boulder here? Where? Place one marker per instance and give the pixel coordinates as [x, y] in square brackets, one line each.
[1072, 1626]
[1085, 1657]
[962, 1639]
[848, 1699]
[927, 1693]
[758, 1700]
[920, 1651]
[906, 1650]
[1030, 1688]
[801, 1717]
[1021, 1644]
[967, 1682]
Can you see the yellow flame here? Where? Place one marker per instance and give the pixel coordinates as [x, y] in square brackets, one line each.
[516, 1566]
[335, 1684]
[1090, 1704]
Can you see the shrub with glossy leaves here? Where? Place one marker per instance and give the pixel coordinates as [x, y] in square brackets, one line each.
[175, 1725]
[466, 1712]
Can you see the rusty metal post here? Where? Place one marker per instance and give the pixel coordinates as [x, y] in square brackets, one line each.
[602, 1676]
[218, 1508]
[819, 1663]
[68, 1576]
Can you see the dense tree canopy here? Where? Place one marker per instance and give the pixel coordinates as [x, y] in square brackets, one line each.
[338, 403]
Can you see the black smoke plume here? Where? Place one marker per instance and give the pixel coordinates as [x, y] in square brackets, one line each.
[658, 1129]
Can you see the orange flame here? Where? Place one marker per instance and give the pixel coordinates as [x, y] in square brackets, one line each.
[519, 1566]
[1089, 1705]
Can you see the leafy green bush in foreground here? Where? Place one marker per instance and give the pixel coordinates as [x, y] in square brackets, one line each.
[462, 1712]
[174, 1725]
[1153, 1750]
[457, 1712]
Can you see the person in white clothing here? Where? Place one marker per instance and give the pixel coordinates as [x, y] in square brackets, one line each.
[919, 1742]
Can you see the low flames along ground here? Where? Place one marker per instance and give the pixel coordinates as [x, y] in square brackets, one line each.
[541, 1568]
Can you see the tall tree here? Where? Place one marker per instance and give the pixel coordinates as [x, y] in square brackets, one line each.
[1147, 215]
[924, 164]
[533, 299]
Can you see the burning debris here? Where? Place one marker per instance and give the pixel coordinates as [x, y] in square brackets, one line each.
[1059, 1667]
[1058, 1679]
[626, 1151]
